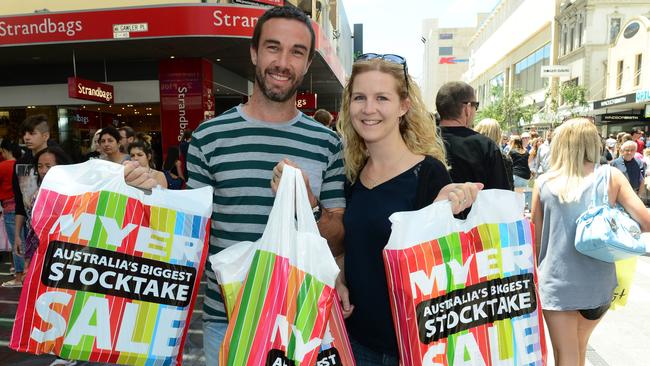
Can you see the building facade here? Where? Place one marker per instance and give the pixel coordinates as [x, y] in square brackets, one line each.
[627, 99]
[509, 49]
[446, 57]
[169, 65]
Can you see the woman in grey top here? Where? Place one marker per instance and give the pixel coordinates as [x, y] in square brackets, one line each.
[575, 290]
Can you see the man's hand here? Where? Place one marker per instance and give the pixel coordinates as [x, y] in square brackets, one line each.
[277, 175]
[460, 195]
[344, 294]
[138, 176]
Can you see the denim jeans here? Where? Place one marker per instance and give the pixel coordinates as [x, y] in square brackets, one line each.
[520, 182]
[10, 225]
[368, 357]
[213, 335]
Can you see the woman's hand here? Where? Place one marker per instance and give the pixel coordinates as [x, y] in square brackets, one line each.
[344, 294]
[460, 195]
[18, 246]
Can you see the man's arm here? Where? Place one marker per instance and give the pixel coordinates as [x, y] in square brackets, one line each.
[498, 178]
[331, 228]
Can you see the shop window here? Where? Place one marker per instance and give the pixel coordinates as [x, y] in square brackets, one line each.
[446, 36]
[619, 75]
[445, 51]
[614, 28]
[527, 75]
[637, 69]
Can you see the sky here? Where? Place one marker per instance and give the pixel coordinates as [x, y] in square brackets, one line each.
[395, 26]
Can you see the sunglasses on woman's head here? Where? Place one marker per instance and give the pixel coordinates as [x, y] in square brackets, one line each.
[395, 59]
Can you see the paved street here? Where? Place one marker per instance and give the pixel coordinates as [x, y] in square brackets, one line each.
[621, 339]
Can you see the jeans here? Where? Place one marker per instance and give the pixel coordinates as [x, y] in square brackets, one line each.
[520, 182]
[10, 225]
[213, 335]
[368, 357]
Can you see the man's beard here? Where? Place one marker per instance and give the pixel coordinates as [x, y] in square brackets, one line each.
[273, 95]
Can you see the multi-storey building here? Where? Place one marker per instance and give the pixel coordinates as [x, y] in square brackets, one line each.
[446, 57]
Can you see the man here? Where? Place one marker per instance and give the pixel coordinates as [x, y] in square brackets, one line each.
[36, 133]
[544, 154]
[241, 153]
[633, 168]
[127, 136]
[472, 156]
[637, 136]
[324, 117]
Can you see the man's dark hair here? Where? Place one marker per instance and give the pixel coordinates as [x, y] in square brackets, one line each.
[12, 147]
[285, 12]
[450, 98]
[37, 122]
[128, 131]
[187, 134]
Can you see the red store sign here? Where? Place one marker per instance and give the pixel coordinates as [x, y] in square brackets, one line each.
[90, 90]
[306, 101]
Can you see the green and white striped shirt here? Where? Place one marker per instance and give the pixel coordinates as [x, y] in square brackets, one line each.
[236, 155]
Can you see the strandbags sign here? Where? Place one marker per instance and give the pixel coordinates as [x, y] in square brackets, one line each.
[116, 271]
[90, 90]
[465, 293]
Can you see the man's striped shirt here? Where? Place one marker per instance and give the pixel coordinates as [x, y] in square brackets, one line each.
[236, 155]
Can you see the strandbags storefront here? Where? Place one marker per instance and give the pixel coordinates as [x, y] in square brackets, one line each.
[170, 67]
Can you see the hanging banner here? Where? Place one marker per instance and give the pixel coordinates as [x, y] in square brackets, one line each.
[79, 88]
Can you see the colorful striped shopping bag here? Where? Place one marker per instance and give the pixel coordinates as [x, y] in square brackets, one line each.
[465, 292]
[281, 313]
[116, 272]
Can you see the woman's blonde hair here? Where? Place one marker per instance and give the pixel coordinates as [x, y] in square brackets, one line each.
[575, 142]
[417, 126]
[490, 128]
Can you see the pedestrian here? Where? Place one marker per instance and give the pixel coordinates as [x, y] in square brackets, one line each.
[127, 136]
[10, 152]
[543, 153]
[525, 141]
[575, 290]
[490, 128]
[631, 166]
[183, 146]
[109, 141]
[472, 156]
[519, 156]
[36, 134]
[173, 169]
[43, 161]
[394, 161]
[95, 151]
[242, 152]
[141, 152]
[324, 117]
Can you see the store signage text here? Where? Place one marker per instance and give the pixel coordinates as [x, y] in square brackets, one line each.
[622, 117]
[43, 26]
[628, 98]
[555, 71]
[306, 101]
[90, 90]
[642, 96]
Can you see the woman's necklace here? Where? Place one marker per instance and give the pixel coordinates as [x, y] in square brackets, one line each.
[374, 182]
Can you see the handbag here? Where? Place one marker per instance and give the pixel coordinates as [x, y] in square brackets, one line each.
[604, 232]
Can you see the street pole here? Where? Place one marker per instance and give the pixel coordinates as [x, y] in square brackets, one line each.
[552, 104]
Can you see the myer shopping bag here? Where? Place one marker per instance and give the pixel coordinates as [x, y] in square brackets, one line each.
[624, 274]
[116, 272]
[281, 311]
[465, 292]
[231, 267]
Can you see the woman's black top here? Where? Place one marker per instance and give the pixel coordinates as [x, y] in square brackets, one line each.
[520, 166]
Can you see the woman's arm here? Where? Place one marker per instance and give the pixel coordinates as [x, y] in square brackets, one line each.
[161, 179]
[179, 169]
[621, 191]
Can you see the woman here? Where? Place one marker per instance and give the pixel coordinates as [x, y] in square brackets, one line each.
[519, 156]
[490, 127]
[141, 152]
[394, 162]
[109, 140]
[173, 168]
[44, 160]
[533, 156]
[95, 151]
[575, 290]
[10, 152]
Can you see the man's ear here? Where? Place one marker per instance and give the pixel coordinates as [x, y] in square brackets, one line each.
[253, 56]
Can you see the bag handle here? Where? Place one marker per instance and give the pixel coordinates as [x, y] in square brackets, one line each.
[283, 210]
[304, 213]
[603, 173]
